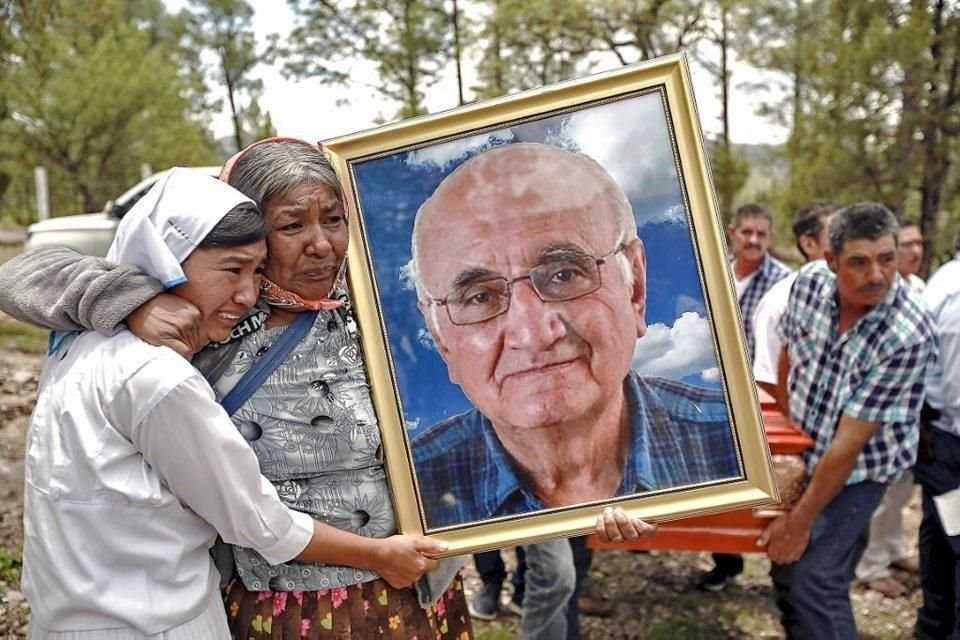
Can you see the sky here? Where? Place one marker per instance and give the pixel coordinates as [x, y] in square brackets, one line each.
[306, 108]
[678, 343]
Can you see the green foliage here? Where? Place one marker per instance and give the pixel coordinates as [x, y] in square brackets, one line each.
[529, 43]
[257, 124]
[639, 30]
[225, 28]
[406, 40]
[11, 562]
[493, 631]
[869, 101]
[533, 42]
[867, 88]
[730, 171]
[92, 94]
[26, 338]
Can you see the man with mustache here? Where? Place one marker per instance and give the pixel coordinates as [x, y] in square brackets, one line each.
[754, 269]
[755, 272]
[857, 346]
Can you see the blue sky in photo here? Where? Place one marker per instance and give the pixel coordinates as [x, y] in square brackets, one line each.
[629, 138]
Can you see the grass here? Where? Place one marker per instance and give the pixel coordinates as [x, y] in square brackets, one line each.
[10, 564]
[492, 631]
[22, 337]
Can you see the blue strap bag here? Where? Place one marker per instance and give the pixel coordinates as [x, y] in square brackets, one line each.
[257, 374]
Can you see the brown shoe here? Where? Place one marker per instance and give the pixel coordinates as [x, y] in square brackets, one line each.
[888, 586]
[906, 564]
[591, 605]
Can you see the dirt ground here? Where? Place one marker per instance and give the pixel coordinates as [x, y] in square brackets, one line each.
[653, 593]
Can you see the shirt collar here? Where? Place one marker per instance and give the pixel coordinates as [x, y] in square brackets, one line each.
[503, 484]
[766, 265]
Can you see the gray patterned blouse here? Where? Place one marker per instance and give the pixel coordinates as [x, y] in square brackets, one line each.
[313, 427]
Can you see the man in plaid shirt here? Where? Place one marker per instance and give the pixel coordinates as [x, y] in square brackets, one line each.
[857, 346]
[755, 271]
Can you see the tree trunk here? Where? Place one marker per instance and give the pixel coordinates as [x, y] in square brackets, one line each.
[726, 197]
[457, 52]
[936, 163]
[936, 145]
[235, 116]
[413, 100]
[497, 45]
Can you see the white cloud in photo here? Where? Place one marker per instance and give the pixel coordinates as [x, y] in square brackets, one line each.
[675, 352]
[710, 375]
[405, 275]
[445, 154]
[426, 340]
[675, 214]
[629, 139]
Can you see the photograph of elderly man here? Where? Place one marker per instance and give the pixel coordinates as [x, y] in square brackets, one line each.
[550, 335]
[539, 334]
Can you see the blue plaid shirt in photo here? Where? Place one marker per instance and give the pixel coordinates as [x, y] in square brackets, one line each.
[770, 272]
[680, 435]
[873, 372]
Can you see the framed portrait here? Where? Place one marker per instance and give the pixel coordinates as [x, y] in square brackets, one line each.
[547, 315]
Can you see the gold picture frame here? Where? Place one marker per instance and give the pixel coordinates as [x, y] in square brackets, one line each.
[389, 172]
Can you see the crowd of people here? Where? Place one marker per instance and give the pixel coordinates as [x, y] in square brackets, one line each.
[128, 486]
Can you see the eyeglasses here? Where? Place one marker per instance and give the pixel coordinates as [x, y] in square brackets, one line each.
[567, 275]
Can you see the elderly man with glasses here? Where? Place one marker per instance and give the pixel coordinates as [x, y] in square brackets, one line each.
[532, 282]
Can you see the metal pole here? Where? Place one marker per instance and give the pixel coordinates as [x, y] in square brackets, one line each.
[43, 195]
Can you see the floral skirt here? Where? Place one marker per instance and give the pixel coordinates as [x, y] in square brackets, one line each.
[367, 611]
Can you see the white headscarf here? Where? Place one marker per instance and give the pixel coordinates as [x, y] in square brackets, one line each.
[166, 225]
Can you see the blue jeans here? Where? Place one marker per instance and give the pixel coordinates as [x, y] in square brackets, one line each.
[939, 617]
[550, 579]
[813, 594]
[582, 559]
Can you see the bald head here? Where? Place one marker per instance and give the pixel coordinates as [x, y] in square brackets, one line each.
[515, 181]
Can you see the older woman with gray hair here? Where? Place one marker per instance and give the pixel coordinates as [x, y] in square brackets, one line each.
[308, 417]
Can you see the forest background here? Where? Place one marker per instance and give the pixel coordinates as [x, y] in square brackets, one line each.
[868, 91]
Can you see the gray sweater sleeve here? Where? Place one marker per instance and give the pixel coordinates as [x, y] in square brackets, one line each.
[57, 288]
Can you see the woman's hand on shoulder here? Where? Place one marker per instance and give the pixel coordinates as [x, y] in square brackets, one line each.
[167, 320]
[402, 560]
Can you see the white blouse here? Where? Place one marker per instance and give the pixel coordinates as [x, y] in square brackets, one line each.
[131, 470]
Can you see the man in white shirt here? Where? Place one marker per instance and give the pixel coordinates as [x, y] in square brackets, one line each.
[944, 281]
[938, 465]
[885, 548]
[810, 232]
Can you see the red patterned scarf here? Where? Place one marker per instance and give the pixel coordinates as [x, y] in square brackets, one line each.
[283, 299]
